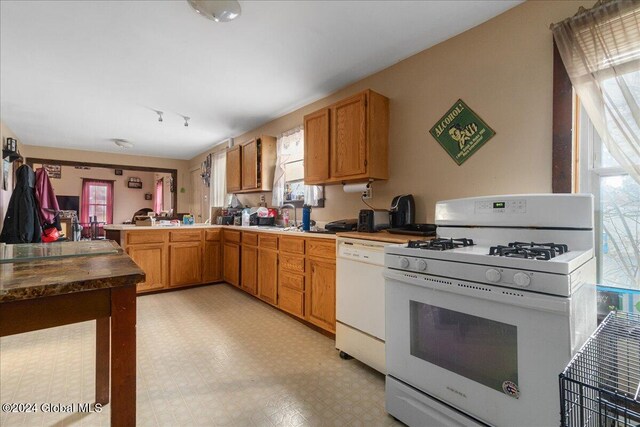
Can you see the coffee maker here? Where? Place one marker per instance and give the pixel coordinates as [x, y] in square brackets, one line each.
[403, 211]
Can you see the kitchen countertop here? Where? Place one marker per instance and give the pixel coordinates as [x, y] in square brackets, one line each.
[254, 228]
[41, 277]
[382, 236]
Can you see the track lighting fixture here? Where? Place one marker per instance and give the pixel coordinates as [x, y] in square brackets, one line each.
[159, 113]
[186, 121]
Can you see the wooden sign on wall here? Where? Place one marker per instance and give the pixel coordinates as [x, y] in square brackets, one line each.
[54, 171]
[461, 132]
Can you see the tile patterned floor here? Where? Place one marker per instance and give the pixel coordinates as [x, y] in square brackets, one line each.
[206, 356]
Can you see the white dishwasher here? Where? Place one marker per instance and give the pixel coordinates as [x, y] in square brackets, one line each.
[360, 301]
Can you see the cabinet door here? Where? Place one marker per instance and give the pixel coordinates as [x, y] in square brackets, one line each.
[321, 294]
[348, 137]
[152, 259]
[185, 263]
[231, 261]
[234, 169]
[250, 165]
[316, 147]
[211, 271]
[268, 276]
[249, 275]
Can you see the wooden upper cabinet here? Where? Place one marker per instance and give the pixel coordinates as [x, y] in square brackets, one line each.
[316, 147]
[234, 169]
[348, 141]
[250, 165]
[348, 137]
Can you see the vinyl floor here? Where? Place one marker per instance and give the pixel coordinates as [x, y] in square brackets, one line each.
[206, 356]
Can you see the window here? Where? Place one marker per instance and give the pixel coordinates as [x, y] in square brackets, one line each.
[218, 180]
[97, 201]
[288, 182]
[617, 200]
[158, 202]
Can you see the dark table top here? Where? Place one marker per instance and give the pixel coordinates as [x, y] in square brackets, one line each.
[49, 276]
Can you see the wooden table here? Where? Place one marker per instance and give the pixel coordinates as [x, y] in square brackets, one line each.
[44, 293]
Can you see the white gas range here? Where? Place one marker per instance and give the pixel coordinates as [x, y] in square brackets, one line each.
[480, 322]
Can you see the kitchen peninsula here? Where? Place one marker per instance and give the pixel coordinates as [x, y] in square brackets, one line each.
[55, 284]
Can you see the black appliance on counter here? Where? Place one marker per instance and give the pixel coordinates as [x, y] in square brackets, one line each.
[403, 211]
[342, 225]
[372, 220]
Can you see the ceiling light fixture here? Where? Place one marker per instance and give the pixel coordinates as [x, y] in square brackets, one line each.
[159, 113]
[186, 121]
[122, 143]
[216, 10]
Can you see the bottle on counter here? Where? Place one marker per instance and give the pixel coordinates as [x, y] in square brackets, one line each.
[306, 218]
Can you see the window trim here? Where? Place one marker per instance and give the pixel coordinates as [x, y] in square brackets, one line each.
[563, 120]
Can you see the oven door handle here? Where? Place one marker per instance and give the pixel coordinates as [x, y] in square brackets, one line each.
[513, 297]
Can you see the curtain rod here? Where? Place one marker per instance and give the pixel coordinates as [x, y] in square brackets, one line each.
[598, 6]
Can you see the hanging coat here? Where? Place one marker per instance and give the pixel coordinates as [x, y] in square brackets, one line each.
[46, 197]
[21, 223]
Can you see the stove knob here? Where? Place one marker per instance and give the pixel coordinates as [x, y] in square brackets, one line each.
[521, 279]
[493, 275]
[422, 265]
[404, 263]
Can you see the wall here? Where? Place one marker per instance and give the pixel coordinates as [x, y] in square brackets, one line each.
[503, 70]
[120, 159]
[126, 200]
[5, 133]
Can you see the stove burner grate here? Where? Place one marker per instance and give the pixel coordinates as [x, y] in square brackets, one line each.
[531, 250]
[440, 244]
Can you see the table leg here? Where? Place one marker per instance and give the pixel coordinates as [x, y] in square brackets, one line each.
[103, 355]
[123, 356]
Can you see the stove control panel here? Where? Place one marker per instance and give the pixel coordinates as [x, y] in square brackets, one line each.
[412, 264]
[510, 206]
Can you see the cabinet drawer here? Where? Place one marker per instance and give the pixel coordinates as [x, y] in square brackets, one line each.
[212, 235]
[294, 245]
[292, 263]
[292, 280]
[185, 236]
[140, 237]
[268, 241]
[249, 239]
[291, 301]
[231, 236]
[321, 248]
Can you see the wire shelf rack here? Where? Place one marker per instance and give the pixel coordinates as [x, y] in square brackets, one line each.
[601, 384]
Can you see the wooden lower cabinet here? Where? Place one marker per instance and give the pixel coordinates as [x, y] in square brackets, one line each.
[291, 301]
[268, 275]
[231, 263]
[186, 263]
[320, 293]
[152, 258]
[249, 275]
[211, 268]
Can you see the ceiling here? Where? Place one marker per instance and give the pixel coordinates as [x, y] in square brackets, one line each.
[76, 74]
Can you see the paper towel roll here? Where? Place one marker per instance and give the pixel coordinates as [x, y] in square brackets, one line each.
[355, 188]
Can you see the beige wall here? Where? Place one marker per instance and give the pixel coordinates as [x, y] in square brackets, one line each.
[126, 200]
[120, 159]
[5, 133]
[503, 70]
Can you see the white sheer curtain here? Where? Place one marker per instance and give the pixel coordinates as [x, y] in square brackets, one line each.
[218, 187]
[290, 148]
[600, 48]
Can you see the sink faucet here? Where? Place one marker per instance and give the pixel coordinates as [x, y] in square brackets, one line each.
[295, 214]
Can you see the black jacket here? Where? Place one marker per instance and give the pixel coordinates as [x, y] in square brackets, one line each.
[21, 224]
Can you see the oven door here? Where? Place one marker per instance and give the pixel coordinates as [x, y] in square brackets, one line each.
[490, 352]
